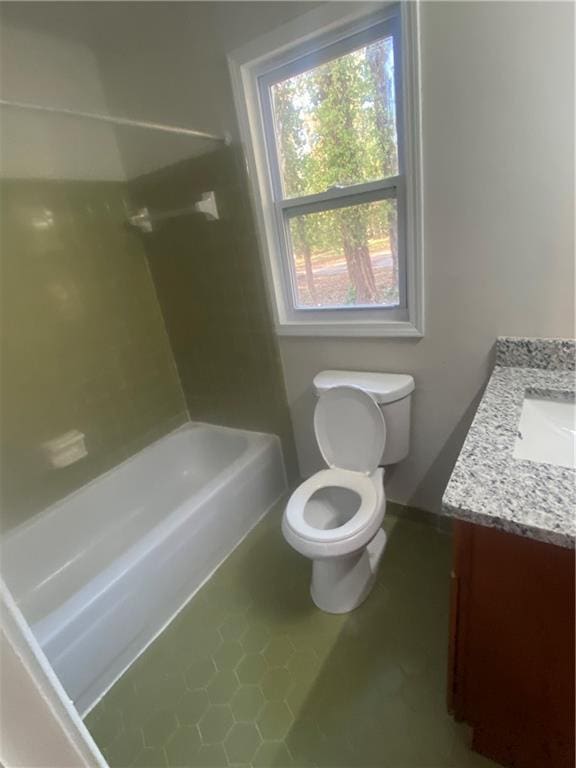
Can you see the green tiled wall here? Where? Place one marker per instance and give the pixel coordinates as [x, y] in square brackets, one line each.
[211, 288]
[84, 345]
[83, 342]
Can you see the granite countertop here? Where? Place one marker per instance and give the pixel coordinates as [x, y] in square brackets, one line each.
[488, 485]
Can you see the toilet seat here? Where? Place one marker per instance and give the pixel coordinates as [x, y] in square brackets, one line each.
[351, 434]
[363, 485]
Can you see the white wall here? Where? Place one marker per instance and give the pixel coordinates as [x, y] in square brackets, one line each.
[42, 69]
[498, 105]
[498, 134]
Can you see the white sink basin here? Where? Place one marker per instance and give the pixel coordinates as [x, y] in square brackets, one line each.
[547, 431]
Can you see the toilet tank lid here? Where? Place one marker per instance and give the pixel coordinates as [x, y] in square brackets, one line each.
[384, 387]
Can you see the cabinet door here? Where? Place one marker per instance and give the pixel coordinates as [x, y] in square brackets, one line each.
[513, 648]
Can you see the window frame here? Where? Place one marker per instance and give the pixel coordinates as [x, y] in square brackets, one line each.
[285, 52]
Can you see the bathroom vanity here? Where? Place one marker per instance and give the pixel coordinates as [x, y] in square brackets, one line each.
[512, 494]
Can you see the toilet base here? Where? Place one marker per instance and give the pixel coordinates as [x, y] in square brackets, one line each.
[341, 584]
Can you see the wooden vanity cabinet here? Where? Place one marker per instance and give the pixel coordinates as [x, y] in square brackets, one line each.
[511, 666]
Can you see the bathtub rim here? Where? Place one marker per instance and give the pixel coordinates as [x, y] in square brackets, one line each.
[47, 628]
[16, 530]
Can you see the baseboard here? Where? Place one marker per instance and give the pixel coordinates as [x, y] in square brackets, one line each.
[438, 522]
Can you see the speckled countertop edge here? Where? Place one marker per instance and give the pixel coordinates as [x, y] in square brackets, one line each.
[490, 487]
[524, 352]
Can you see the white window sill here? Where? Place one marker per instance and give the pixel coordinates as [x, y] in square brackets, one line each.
[399, 330]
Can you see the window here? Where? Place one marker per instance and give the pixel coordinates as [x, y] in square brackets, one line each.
[334, 173]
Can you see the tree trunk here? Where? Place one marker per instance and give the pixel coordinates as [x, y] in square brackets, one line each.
[393, 237]
[307, 261]
[386, 131]
[352, 221]
[366, 266]
[359, 269]
[384, 116]
[355, 240]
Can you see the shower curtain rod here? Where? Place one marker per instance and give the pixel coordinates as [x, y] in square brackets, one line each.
[116, 120]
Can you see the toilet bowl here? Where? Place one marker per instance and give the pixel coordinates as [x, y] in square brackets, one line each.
[335, 517]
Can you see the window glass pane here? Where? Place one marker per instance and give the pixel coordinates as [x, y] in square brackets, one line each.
[347, 257]
[336, 124]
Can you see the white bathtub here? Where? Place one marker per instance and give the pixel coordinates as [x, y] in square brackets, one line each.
[99, 574]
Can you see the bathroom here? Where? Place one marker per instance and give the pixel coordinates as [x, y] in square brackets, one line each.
[270, 498]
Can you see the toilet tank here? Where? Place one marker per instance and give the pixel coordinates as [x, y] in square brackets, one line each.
[393, 393]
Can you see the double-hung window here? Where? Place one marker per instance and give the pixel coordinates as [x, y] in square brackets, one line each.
[335, 175]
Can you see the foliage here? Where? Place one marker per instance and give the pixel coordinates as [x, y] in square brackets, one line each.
[335, 126]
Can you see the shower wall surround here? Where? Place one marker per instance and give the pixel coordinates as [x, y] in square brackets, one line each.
[83, 341]
[211, 289]
[85, 344]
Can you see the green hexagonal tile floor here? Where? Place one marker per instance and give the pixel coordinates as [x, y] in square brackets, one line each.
[251, 673]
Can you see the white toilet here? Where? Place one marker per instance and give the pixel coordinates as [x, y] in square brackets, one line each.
[362, 423]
